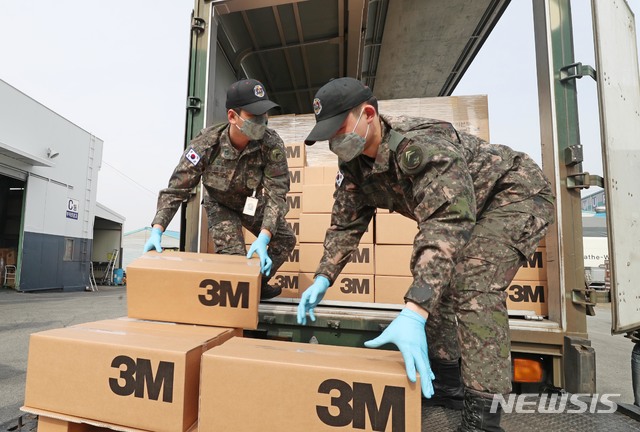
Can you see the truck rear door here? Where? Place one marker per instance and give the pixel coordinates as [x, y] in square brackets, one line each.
[619, 97]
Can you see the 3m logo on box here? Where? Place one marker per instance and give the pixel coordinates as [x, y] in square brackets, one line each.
[295, 226]
[296, 176]
[286, 281]
[294, 205]
[528, 296]
[218, 292]
[354, 285]
[293, 202]
[535, 261]
[535, 267]
[526, 293]
[360, 256]
[293, 152]
[138, 375]
[294, 256]
[352, 403]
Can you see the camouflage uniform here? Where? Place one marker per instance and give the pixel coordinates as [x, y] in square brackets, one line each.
[480, 208]
[229, 177]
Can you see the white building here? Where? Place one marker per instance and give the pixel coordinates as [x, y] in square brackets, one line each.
[48, 184]
[133, 243]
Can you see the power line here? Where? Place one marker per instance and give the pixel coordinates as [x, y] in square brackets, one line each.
[155, 194]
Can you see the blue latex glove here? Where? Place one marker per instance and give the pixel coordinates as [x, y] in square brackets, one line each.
[310, 299]
[260, 246]
[407, 332]
[154, 241]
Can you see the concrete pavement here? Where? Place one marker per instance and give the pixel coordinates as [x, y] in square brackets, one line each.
[22, 314]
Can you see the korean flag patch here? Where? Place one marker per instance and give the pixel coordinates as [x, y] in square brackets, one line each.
[193, 157]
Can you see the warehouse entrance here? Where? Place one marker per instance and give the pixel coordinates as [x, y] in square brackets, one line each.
[11, 209]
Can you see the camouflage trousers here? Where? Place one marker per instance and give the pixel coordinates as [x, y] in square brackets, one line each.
[225, 229]
[471, 321]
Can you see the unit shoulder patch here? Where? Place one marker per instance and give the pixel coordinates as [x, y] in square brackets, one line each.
[276, 155]
[412, 159]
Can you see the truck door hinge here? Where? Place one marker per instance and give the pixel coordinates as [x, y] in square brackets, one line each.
[198, 25]
[585, 297]
[576, 70]
[194, 103]
[584, 180]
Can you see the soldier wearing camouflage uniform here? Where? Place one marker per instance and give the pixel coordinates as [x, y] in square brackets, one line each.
[480, 208]
[245, 177]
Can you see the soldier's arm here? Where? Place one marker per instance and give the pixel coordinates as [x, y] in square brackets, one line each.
[446, 214]
[185, 177]
[350, 218]
[275, 183]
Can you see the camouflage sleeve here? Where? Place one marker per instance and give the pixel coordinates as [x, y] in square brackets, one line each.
[350, 218]
[185, 177]
[446, 214]
[275, 182]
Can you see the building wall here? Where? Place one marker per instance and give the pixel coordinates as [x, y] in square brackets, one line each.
[133, 243]
[589, 203]
[60, 199]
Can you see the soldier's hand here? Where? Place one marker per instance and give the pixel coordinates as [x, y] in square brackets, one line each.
[154, 241]
[407, 332]
[310, 299]
[259, 246]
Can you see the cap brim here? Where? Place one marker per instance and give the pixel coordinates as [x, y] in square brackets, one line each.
[260, 107]
[325, 129]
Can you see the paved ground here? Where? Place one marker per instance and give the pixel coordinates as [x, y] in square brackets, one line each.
[22, 314]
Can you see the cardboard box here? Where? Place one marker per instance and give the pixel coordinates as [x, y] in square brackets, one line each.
[319, 198]
[391, 289]
[296, 154]
[292, 264]
[361, 261]
[289, 282]
[138, 374]
[535, 268]
[320, 175]
[467, 113]
[528, 296]
[393, 260]
[186, 287]
[347, 287]
[328, 384]
[296, 178]
[313, 227]
[294, 224]
[50, 424]
[55, 422]
[294, 205]
[394, 228]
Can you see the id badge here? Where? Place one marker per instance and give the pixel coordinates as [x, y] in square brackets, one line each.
[250, 206]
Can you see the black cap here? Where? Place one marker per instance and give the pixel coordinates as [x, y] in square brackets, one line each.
[249, 95]
[332, 104]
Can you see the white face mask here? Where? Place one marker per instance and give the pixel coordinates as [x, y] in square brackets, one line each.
[253, 128]
[350, 145]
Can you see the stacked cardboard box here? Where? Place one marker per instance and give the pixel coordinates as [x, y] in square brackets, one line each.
[136, 375]
[355, 283]
[386, 278]
[143, 372]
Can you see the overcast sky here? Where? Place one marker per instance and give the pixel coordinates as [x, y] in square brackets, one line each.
[118, 69]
